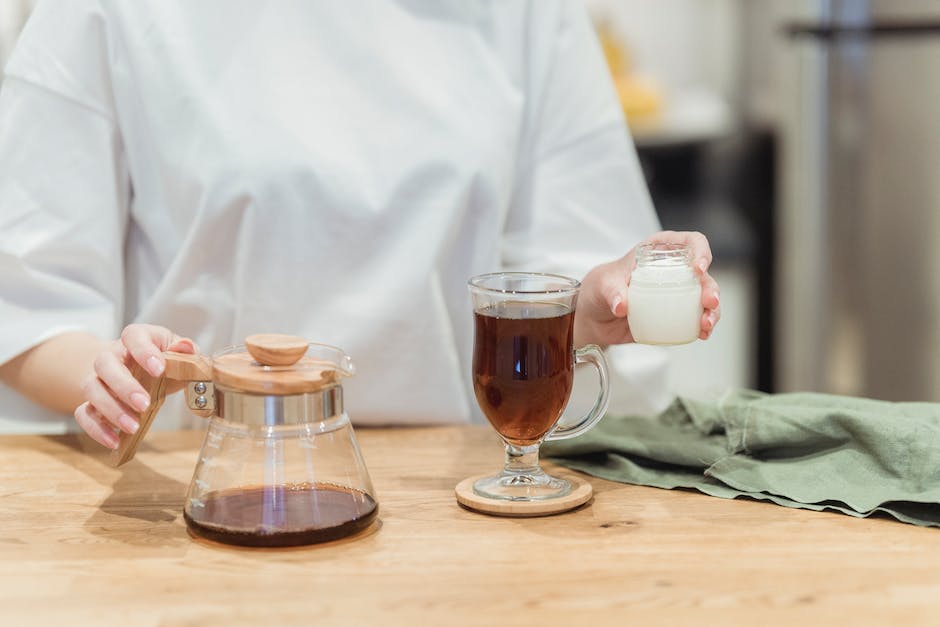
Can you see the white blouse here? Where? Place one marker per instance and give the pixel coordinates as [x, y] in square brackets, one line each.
[335, 170]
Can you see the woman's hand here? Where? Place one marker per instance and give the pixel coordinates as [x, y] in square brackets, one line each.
[600, 317]
[113, 397]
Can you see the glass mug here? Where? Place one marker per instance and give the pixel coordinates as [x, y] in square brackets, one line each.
[523, 372]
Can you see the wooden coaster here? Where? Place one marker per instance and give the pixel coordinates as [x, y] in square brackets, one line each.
[581, 492]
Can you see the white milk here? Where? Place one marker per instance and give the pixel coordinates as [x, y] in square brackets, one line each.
[664, 300]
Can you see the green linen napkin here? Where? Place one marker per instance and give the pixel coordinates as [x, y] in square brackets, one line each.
[813, 451]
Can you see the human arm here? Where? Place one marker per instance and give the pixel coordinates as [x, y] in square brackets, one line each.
[92, 378]
[111, 396]
[51, 374]
[65, 194]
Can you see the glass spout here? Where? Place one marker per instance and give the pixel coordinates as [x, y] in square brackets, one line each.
[325, 353]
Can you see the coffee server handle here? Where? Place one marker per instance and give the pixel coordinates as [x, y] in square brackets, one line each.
[591, 354]
[195, 369]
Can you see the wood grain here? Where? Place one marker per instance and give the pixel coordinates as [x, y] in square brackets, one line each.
[275, 349]
[581, 492]
[240, 372]
[128, 443]
[179, 367]
[84, 543]
[185, 367]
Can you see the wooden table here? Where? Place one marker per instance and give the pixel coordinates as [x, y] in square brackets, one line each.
[83, 543]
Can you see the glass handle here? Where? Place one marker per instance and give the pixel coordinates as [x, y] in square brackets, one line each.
[591, 354]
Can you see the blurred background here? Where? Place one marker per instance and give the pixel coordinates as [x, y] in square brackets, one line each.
[803, 137]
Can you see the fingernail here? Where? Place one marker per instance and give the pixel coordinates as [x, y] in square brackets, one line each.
[702, 266]
[615, 304]
[154, 366]
[140, 401]
[111, 440]
[128, 424]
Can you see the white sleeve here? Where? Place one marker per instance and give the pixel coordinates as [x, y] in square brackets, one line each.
[64, 187]
[580, 197]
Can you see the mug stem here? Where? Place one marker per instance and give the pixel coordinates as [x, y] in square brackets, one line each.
[522, 478]
[522, 460]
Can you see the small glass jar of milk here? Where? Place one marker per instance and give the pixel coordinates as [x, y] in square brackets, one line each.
[664, 299]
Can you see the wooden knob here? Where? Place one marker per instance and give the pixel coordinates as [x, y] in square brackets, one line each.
[272, 349]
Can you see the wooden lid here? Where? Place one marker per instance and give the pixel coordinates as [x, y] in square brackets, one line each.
[272, 349]
[273, 364]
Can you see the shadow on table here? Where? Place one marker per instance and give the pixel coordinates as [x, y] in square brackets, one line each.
[144, 507]
[458, 454]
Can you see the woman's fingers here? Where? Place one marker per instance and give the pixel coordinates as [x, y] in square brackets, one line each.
[96, 426]
[710, 292]
[182, 345]
[614, 287]
[709, 320]
[701, 251]
[607, 286]
[113, 397]
[113, 410]
[146, 343]
[711, 303]
[117, 379]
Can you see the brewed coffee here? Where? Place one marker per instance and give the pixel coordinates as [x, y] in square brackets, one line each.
[523, 367]
[283, 515]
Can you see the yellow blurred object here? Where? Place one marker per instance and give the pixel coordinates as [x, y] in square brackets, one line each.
[617, 57]
[640, 97]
